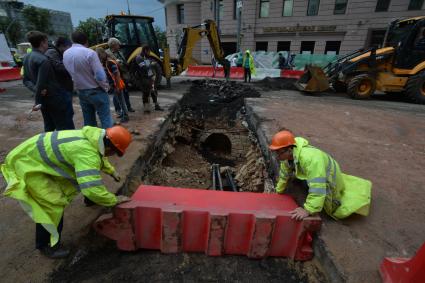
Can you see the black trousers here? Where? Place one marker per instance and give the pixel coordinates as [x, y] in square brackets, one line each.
[42, 236]
[57, 112]
[247, 73]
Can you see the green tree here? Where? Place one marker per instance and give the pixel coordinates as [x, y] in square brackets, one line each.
[93, 28]
[37, 19]
[161, 37]
[12, 29]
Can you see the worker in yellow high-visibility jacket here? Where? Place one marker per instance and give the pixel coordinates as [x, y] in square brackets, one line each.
[340, 195]
[45, 172]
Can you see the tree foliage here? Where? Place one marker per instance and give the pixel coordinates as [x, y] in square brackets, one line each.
[12, 29]
[161, 37]
[37, 19]
[93, 28]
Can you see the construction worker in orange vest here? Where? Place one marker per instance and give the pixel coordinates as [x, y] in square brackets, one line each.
[337, 193]
[116, 83]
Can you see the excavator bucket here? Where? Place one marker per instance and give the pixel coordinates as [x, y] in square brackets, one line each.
[313, 80]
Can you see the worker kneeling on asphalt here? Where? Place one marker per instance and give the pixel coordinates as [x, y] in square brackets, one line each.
[47, 171]
[340, 195]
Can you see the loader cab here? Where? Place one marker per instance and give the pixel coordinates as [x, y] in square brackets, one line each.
[132, 32]
[408, 37]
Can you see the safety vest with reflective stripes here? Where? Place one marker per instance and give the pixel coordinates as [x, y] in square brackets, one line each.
[338, 194]
[47, 171]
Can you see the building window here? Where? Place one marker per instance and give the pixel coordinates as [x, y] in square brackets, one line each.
[376, 38]
[180, 14]
[283, 46]
[261, 46]
[307, 47]
[313, 7]
[166, 16]
[228, 48]
[235, 9]
[382, 5]
[287, 8]
[332, 47]
[264, 8]
[340, 7]
[415, 4]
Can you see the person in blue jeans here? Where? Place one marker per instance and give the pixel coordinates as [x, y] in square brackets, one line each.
[90, 81]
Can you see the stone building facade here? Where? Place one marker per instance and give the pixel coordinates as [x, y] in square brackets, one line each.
[298, 26]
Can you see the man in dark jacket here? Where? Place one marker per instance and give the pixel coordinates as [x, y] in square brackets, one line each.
[147, 79]
[40, 78]
[55, 55]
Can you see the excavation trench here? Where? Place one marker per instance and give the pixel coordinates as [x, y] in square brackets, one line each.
[204, 144]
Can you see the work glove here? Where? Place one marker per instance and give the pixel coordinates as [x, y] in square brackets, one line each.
[122, 199]
[116, 176]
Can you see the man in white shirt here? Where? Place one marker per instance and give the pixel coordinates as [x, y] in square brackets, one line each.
[90, 81]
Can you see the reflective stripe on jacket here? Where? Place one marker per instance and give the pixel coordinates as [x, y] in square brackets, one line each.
[339, 194]
[47, 171]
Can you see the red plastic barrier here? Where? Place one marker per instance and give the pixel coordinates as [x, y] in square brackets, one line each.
[10, 74]
[215, 222]
[404, 270]
[199, 71]
[294, 74]
[208, 71]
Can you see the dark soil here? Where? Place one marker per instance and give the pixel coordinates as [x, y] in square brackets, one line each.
[276, 83]
[106, 264]
[210, 98]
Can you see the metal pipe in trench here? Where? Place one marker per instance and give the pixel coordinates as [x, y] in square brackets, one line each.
[230, 180]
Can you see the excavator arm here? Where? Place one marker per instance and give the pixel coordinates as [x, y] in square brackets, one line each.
[194, 34]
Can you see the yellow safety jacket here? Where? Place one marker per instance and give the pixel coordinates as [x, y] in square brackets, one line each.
[330, 189]
[251, 63]
[47, 171]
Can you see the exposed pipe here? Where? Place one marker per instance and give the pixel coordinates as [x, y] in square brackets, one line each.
[230, 180]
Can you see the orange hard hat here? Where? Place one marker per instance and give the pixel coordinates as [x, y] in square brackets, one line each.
[282, 139]
[120, 137]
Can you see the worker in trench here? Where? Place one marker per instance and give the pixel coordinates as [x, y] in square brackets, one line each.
[45, 173]
[339, 194]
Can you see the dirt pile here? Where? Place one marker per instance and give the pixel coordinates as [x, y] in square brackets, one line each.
[182, 167]
[209, 98]
[106, 264]
[251, 174]
[276, 83]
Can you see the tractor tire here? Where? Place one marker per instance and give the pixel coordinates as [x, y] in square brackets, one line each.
[339, 86]
[361, 86]
[415, 88]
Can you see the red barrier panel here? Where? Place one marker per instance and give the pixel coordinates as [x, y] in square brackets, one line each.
[10, 74]
[208, 71]
[291, 74]
[199, 71]
[215, 222]
[404, 270]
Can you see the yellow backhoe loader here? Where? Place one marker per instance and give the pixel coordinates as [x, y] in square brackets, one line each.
[399, 66]
[137, 31]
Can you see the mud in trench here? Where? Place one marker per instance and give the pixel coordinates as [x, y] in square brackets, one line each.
[208, 145]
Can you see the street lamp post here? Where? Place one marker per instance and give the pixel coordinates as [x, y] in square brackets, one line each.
[239, 19]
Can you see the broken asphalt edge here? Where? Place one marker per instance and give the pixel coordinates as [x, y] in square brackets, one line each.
[332, 269]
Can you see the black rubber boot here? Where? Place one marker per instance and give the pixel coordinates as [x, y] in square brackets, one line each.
[55, 252]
